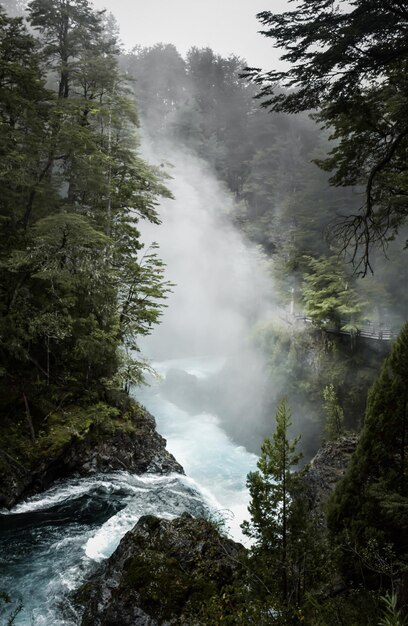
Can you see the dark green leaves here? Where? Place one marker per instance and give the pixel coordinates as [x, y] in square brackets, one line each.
[348, 61]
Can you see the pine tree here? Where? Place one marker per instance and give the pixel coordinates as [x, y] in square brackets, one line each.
[369, 506]
[273, 509]
[334, 423]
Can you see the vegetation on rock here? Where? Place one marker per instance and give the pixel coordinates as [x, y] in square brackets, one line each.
[177, 571]
[77, 289]
[368, 509]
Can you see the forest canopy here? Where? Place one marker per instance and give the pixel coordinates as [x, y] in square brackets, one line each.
[77, 289]
[348, 63]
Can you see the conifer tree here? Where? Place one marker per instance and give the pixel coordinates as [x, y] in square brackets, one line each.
[369, 506]
[276, 524]
[334, 423]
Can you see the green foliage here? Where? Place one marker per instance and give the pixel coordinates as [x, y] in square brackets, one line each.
[235, 605]
[69, 28]
[188, 575]
[356, 607]
[58, 429]
[369, 504]
[328, 295]
[391, 615]
[199, 101]
[303, 360]
[77, 288]
[340, 63]
[269, 487]
[218, 520]
[289, 564]
[334, 423]
[284, 557]
[153, 572]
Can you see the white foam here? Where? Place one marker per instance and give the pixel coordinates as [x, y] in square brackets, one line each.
[165, 496]
[217, 465]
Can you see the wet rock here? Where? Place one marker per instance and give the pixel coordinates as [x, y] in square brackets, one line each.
[134, 446]
[140, 450]
[325, 470]
[162, 573]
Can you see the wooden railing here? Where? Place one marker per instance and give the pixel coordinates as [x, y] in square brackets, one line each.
[368, 331]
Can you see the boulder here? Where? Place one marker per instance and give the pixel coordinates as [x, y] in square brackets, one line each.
[163, 572]
[324, 471]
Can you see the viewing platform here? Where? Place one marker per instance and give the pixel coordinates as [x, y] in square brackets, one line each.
[376, 332]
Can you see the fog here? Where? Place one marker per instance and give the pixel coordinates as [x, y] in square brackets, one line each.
[228, 27]
[243, 181]
[222, 288]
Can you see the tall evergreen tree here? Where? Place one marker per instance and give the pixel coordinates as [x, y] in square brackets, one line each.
[369, 506]
[279, 525]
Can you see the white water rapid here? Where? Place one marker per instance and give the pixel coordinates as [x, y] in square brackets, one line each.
[51, 542]
[217, 465]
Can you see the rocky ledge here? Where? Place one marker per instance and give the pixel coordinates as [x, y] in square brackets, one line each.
[127, 442]
[325, 470]
[163, 572]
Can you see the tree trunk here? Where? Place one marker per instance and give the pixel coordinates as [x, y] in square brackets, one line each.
[28, 417]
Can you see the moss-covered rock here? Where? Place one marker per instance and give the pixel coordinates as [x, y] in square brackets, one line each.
[163, 572]
[78, 441]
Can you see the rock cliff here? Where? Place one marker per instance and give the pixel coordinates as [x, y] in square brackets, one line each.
[163, 572]
[131, 444]
[324, 471]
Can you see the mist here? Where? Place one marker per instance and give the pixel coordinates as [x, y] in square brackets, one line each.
[250, 208]
[232, 168]
[222, 288]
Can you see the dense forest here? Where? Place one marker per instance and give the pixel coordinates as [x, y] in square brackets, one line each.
[77, 287]
[315, 158]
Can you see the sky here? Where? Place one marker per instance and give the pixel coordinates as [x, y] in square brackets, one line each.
[226, 26]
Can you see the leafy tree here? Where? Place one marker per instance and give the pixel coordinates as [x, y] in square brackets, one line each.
[76, 290]
[24, 111]
[349, 62]
[224, 104]
[199, 101]
[68, 28]
[391, 615]
[160, 84]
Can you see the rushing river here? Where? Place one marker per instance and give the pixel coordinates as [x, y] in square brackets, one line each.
[51, 542]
